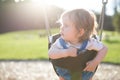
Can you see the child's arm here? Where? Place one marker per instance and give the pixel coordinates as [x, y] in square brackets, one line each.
[91, 65]
[55, 52]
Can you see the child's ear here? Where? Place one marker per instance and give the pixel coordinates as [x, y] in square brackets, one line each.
[81, 31]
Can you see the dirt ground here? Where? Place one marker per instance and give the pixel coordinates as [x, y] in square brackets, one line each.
[42, 70]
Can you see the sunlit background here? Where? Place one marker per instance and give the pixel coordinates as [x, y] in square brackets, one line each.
[23, 25]
[29, 14]
[93, 4]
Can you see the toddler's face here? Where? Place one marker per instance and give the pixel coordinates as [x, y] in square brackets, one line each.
[68, 31]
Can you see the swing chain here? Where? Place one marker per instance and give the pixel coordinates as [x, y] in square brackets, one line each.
[104, 1]
[101, 20]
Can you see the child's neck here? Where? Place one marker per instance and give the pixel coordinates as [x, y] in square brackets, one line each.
[75, 43]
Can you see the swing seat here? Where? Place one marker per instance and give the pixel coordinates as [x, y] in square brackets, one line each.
[73, 63]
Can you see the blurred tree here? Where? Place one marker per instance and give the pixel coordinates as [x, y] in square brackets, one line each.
[9, 1]
[26, 16]
[107, 22]
[116, 17]
[116, 21]
[53, 13]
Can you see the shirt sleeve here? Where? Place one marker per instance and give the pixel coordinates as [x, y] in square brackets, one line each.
[94, 44]
[56, 50]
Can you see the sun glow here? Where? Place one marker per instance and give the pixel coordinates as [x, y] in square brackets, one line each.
[18, 1]
[41, 2]
[95, 5]
[65, 4]
[60, 3]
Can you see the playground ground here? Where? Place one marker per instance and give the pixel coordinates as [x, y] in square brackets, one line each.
[42, 70]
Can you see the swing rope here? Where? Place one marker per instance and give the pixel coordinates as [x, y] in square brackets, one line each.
[101, 19]
[47, 24]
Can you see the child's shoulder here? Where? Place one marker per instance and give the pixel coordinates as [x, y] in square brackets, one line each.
[57, 43]
[94, 44]
[92, 40]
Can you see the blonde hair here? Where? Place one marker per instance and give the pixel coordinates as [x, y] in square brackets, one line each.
[82, 18]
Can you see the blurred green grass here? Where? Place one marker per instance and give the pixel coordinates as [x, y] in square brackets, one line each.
[23, 45]
[112, 40]
[26, 45]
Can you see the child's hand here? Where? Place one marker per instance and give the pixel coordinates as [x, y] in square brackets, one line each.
[71, 51]
[91, 66]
